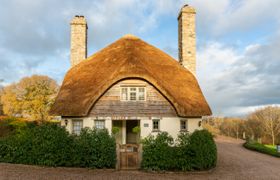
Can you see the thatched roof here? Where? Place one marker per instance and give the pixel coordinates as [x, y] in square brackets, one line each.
[129, 57]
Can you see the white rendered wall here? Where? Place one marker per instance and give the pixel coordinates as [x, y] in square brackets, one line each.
[68, 127]
[108, 124]
[193, 124]
[167, 124]
[88, 122]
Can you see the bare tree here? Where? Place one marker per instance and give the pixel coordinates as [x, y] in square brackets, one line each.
[270, 121]
[253, 127]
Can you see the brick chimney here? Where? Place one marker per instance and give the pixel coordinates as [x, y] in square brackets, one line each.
[78, 40]
[186, 38]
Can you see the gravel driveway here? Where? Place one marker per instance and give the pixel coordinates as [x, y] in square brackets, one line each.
[234, 162]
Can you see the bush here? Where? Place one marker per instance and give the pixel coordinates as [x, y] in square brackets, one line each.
[191, 152]
[47, 144]
[95, 149]
[203, 150]
[255, 146]
[11, 125]
[183, 155]
[51, 145]
[157, 152]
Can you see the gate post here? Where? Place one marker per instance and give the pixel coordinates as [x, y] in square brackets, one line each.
[140, 151]
[118, 157]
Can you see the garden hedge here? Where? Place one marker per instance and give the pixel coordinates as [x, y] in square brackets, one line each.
[49, 144]
[190, 152]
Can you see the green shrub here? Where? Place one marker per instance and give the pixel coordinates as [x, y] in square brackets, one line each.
[95, 148]
[255, 146]
[47, 144]
[157, 152]
[203, 150]
[11, 125]
[51, 145]
[115, 130]
[183, 155]
[191, 152]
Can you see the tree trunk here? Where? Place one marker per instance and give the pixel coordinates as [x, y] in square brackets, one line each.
[273, 139]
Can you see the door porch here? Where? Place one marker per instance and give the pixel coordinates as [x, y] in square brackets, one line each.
[124, 132]
[127, 140]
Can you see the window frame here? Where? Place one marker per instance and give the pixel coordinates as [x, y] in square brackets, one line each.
[137, 92]
[158, 125]
[186, 129]
[81, 121]
[99, 120]
[144, 93]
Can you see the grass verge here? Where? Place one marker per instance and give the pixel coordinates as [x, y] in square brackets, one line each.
[261, 148]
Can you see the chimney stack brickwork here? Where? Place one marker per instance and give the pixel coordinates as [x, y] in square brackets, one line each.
[187, 38]
[78, 40]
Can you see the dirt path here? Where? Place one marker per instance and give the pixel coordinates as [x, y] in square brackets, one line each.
[234, 162]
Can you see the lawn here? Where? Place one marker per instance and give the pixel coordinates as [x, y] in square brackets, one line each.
[266, 149]
[270, 146]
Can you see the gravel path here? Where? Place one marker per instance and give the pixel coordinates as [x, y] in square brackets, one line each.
[234, 162]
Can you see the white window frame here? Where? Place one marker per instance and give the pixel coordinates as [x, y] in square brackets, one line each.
[153, 127]
[129, 91]
[96, 125]
[75, 131]
[186, 125]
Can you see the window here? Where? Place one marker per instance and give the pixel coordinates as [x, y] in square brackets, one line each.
[133, 93]
[77, 126]
[184, 125]
[99, 124]
[141, 94]
[156, 125]
[124, 95]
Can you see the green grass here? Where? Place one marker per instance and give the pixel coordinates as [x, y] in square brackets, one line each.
[270, 146]
[266, 149]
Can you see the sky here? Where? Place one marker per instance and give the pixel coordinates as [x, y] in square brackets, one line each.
[238, 42]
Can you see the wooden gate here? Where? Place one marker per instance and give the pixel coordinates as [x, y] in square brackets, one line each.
[129, 156]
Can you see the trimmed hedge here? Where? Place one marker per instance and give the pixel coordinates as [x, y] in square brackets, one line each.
[255, 146]
[51, 145]
[157, 152]
[95, 149]
[203, 150]
[190, 152]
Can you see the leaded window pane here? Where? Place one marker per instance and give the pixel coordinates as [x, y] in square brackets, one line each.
[77, 126]
[99, 124]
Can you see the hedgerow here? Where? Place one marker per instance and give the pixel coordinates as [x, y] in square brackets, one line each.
[255, 146]
[49, 144]
[191, 152]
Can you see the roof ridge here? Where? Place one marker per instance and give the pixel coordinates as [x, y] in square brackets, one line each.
[130, 36]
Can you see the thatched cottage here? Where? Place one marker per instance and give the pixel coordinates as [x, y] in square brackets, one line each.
[131, 83]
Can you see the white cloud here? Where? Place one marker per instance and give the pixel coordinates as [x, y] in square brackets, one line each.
[234, 82]
[220, 17]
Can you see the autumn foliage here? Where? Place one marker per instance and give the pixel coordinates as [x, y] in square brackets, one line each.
[262, 125]
[30, 98]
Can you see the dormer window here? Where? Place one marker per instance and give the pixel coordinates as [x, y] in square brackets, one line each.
[133, 93]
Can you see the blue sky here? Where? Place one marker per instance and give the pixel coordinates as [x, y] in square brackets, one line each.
[238, 42]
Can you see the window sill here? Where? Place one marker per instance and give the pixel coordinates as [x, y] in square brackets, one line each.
[184, 131]
[156, 130]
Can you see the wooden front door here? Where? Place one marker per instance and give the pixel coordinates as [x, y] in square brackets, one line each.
[129, 156]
